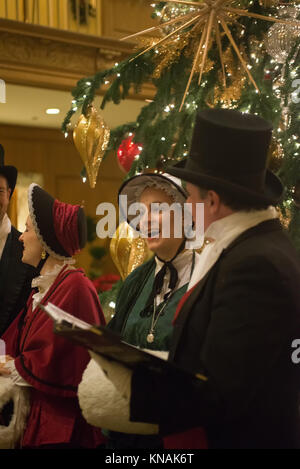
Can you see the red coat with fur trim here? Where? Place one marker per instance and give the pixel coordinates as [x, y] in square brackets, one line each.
[53, 366]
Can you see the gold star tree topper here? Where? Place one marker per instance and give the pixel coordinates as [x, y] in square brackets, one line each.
[209, 19]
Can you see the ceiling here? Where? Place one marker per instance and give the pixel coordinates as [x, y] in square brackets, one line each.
[26, 106]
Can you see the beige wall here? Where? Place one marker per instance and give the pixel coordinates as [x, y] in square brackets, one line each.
[124, 17]
[46, 151]
[36, 56]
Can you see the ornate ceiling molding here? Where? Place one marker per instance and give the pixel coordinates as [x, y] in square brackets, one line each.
[46, 57]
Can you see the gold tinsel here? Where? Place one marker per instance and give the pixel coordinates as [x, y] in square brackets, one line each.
[275, 155]
[285, 219]
[191, 51]
[166, 54]
[238, 80]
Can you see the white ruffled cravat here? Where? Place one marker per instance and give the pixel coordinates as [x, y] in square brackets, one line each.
[44, 282]
[222, 233]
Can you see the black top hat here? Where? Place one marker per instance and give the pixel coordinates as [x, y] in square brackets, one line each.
[9, 172]
[61, 228]
[229, 152]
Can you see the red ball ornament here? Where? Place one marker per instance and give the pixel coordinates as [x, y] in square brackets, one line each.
[268, 76]
[127, 152]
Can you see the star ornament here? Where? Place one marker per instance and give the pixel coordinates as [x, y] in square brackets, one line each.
[210, 20]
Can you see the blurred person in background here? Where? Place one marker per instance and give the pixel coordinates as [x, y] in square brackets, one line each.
[15, 277]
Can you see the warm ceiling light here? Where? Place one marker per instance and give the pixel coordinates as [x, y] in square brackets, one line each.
[53, 111]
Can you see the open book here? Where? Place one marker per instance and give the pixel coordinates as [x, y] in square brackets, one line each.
[107, 343]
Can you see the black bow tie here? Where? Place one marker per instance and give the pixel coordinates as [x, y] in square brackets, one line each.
[159, 281]
[159, 278]
[167, 265]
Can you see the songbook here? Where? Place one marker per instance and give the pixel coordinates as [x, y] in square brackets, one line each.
[107, 343]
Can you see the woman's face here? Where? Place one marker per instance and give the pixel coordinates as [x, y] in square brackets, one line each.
[162, 246]
[32, 247]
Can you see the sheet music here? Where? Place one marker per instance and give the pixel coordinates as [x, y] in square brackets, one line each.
[59, 315]
[109, 344]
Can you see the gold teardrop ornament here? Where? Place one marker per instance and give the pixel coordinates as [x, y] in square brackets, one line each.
[91, 138]
[128, 251]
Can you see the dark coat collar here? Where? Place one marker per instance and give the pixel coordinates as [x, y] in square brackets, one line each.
[263, 227]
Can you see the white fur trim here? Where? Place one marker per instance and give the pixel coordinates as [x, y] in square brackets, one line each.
[10, 436]
[103, 406]
[36, 228]
[119, 375]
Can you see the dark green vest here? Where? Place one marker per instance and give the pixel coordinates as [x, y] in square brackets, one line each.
[138, 326]
[128, 320]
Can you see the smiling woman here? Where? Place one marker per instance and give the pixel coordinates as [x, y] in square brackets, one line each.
[145, 306]
[33, 249]
[152, 223]
[148, 322]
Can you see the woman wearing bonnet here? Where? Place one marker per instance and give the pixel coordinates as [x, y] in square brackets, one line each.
[48, 367]
[144, 311]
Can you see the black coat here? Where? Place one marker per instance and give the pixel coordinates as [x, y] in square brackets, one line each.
[236, 327]
[15, 280]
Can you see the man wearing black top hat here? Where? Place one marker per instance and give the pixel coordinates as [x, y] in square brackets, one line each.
[236, 324]
[15, 277]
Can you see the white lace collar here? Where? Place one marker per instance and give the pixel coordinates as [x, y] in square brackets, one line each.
[44, 282]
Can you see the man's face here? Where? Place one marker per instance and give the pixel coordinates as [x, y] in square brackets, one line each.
[4, 197]
[194, 197]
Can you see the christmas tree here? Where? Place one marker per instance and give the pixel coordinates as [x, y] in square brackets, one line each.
[210, 53]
